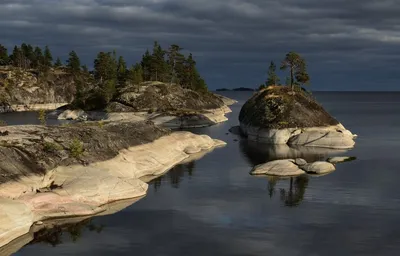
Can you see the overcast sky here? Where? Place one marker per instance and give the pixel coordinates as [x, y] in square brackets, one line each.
[348, 44]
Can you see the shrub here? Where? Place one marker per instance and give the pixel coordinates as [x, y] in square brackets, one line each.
[51, 147]
[42, 116]
[76, 148]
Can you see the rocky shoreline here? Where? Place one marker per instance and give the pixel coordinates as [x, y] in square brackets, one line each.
[38, 184]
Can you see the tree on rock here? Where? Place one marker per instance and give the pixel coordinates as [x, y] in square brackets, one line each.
[297, 67]
[122, 71]
[58, 63]
[3, 56]
[176, 63]
[158, 66]
[272, 79]
[48, 57]
[73, 62]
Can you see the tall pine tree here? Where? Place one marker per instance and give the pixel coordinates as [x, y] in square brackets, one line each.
[272, 79]
[4, 59]
[48, 57]
[73, 62]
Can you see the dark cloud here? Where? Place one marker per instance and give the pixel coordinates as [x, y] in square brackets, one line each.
[349, 44]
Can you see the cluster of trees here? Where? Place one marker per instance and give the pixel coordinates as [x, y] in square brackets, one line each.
[296, 65]
[165, 65]
[27, 57]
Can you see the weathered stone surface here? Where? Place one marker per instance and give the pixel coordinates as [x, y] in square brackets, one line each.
[323, 138]
[319, 167]
[72, 115]
[300, 161]
[340, 159]
[285, 167]
[227, 101]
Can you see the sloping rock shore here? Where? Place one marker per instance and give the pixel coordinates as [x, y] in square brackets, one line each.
[168, 105]
[54, 172]
[279, 115]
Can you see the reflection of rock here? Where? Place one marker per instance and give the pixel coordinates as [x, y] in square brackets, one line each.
[278, 168]
[51, 231]
[258, 153]
[340, 159]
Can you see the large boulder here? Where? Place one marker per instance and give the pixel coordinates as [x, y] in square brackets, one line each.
[280, 115]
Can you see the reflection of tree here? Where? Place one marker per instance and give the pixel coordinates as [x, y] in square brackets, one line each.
[175, 175]
[293, 198]
[53, 236]
[294, 195]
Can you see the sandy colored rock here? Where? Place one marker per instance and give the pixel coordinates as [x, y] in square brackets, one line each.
[340, 159]
[319, 167]
[322, 138]
[285, 167]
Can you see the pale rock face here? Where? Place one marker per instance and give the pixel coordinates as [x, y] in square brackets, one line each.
[339, 159]
[71, 114]
[321, 138]
[86, 190]
[285, 167]
[327, 137]
[319, 167]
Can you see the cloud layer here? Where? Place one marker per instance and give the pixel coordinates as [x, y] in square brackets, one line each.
[349, 45]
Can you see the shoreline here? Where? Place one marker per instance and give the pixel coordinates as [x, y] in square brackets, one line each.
[77, 190]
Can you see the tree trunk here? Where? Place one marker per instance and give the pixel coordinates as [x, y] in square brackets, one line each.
[291, 77]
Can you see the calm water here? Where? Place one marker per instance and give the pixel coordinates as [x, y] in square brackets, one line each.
[214, 207]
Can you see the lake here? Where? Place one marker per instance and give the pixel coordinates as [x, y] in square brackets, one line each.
[212, 206]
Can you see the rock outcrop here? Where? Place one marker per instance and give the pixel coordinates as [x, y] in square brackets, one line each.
[22, 90]
[65, 171]
[278, 115]
[168, 105]
[292, 167]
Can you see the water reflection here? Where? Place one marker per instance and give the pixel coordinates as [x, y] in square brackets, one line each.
[259, 153]
[175, 175]
[54, 235]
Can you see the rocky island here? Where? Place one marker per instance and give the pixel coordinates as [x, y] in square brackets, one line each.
[280, 115]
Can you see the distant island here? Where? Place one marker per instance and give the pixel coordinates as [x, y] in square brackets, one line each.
[235, 89]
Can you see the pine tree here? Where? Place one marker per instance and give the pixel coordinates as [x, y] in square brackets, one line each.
[297, 67]
[146, 66]
[48, 57]
[4, 59]
[105, 66]
[58, 63]
[135, 74]
[38, 58]
[73, 62]
[158, 64]
[122, 71]
[17, 57]
[175, 62]
[272, 79]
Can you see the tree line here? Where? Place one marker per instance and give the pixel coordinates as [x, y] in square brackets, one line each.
[110, 70]
[296, 65]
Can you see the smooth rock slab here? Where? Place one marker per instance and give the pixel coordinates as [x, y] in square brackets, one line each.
[340, 159]
[285, 167]
[327, 139]
[319, 167]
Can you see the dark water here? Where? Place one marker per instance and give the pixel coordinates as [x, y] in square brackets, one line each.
[214, 207]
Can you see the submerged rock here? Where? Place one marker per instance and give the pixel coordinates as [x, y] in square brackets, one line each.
[279, 115]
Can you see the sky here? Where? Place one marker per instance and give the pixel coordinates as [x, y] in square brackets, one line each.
[348, 44]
